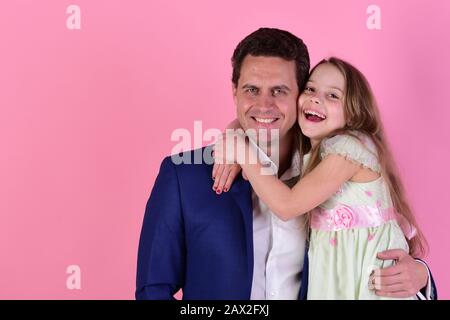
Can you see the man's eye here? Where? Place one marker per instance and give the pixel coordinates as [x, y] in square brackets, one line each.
[277, 92]
[252, 90]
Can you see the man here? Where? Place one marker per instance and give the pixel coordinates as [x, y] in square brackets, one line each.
[231, 246]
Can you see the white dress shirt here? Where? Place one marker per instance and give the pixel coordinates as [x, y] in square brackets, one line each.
[279, 248]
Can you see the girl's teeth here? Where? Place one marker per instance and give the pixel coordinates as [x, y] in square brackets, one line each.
[315, 113]
[265, 120]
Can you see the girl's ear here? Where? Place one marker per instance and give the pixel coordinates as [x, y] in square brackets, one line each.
[348, 121]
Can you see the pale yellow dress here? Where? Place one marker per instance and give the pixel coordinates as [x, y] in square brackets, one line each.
[350, 228]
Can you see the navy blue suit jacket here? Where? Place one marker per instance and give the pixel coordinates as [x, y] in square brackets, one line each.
[196, 240]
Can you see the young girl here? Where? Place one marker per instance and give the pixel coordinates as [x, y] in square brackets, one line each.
[349, 189]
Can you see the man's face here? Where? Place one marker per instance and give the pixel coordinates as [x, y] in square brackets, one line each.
[266, 94]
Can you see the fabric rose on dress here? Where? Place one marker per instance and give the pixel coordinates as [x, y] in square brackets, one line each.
[344, 218]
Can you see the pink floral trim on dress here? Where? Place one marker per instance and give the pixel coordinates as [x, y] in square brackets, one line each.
[344, 217]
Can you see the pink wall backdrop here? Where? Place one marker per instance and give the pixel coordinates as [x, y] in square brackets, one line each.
[86, 117]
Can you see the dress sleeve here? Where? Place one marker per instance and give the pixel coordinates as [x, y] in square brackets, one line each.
[360, 150]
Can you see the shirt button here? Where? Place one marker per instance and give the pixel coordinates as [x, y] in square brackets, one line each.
[272, 293]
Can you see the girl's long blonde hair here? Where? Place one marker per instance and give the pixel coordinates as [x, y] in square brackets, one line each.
[362, 115]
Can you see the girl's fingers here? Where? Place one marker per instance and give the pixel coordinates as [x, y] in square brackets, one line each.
[219, 156]
[220, 168]
[223, 178]
[214, 171]
[233, 173]
[218, 150]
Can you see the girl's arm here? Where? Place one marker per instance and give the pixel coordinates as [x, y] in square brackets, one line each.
[311, 190]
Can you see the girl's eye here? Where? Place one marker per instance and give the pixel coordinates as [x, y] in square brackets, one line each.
[309, 89]
[333, 96]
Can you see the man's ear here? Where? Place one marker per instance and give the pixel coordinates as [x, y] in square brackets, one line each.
[234, 93]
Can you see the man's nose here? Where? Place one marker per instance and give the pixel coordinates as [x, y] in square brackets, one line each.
[266, 101]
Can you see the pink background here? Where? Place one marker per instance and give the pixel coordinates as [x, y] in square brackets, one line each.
[87, 115]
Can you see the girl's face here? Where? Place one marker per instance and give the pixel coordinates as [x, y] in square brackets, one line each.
[321, 105]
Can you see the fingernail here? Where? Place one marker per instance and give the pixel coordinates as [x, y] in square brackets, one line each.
[218, 191]
[372, 273]
[214, 188]
[225, 189]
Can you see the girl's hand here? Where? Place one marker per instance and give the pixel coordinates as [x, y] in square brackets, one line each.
[225, 169]
[223, 176]
[230, 148]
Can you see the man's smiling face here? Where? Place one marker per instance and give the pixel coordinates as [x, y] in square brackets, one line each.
[266, 94]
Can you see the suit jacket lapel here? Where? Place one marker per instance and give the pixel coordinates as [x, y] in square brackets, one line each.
[241, 193]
